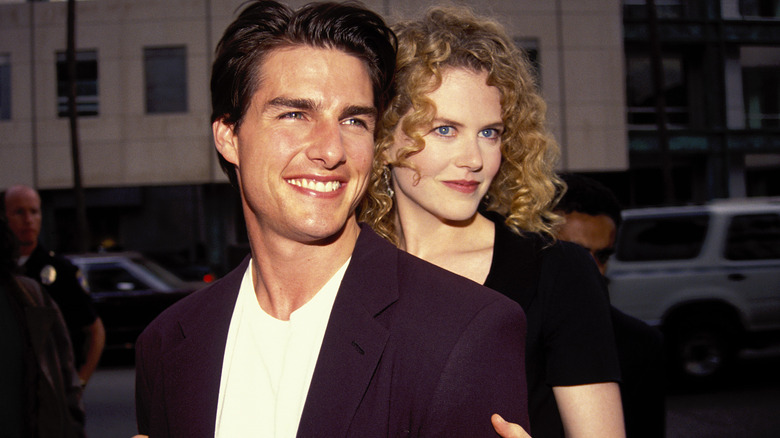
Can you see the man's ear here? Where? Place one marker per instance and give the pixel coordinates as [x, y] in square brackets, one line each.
[226, 140]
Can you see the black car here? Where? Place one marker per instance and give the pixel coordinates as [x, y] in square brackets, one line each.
[129, 291]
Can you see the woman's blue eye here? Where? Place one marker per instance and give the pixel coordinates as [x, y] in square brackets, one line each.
[444, 130]
[489, 133]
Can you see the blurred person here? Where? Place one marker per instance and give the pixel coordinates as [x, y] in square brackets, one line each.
[592, 218]
[466, 126]
[61, 279]
[40, 394]
[325, 329]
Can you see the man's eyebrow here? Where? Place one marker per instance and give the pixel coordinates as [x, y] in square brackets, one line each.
[289, 102]
[357, 110]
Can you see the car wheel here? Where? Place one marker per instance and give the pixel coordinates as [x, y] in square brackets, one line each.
[702, 350]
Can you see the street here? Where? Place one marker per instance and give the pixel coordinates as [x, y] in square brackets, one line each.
[746, 405]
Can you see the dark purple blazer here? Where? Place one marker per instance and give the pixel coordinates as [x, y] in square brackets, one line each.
[410, 350]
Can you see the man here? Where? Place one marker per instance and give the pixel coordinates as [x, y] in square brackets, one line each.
[327, 329]
[592, 217]
[40, 395]
[60, 278]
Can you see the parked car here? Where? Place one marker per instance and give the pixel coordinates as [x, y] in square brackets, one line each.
[708, 276]
[129, 291]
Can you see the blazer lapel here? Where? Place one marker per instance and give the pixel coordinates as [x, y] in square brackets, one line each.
[354, 340]
[193, 367]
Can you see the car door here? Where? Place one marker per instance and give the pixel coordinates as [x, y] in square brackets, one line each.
[752, 253]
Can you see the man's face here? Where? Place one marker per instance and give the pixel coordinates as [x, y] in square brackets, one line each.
[303, 151]
[23, 210]
[595, 233]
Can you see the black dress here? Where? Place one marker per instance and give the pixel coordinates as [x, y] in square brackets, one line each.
[570, 340]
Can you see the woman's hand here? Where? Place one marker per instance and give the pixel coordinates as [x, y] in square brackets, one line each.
[507, 430]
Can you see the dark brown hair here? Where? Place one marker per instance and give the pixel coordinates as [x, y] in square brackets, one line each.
[266, 25]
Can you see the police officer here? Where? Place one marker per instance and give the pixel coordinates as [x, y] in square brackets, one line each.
[61, 279]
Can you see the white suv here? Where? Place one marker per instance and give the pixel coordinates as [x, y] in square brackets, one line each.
[708, 276]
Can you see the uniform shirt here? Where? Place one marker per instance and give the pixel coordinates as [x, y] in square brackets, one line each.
[63, 282]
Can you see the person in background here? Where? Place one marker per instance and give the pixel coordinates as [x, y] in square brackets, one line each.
[592, 218]
[467, 126]
[326, 329]
[58, 276]
[40, 394]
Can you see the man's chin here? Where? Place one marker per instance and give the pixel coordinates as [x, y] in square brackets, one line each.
[27, 243]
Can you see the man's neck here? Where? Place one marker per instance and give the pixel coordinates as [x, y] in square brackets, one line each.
[286, 276]
[26, 249]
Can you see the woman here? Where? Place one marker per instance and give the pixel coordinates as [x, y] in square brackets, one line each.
[467, 128]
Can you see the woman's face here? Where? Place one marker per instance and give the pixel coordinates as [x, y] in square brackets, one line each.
[462, 151]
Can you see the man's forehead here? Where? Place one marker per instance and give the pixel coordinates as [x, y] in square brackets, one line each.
[593, 232]
[316, 73]
[22, 195]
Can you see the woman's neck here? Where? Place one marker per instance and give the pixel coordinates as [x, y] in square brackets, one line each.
[465, 248]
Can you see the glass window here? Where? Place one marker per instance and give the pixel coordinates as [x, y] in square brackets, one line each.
[662, 238]
[5, 87]
[112, 277]
[761, 89]
[166, 79]
[663, 8]
[531, 48]
[641, 95]
[754, 237]
[760, 8]
[86, 83]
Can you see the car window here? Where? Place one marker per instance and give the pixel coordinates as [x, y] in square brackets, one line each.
[159, 272]
[112, 277]
[754, 237]
[661, 238]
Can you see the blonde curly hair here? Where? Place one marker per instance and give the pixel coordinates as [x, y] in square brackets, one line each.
[526, 186]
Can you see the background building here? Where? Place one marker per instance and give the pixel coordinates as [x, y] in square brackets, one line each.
[150, 170]
[720, 79]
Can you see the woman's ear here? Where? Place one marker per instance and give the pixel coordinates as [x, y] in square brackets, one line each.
[226, 140]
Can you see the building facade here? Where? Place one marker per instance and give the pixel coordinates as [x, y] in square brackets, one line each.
[147, 157]
[716, 133]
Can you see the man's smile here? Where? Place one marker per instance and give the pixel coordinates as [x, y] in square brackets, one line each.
[317, 186]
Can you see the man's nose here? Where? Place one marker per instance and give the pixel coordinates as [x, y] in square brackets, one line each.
[327, 145]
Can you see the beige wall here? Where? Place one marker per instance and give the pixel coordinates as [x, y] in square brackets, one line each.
[580, 46]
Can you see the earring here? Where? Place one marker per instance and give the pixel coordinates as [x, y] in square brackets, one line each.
[387, 182]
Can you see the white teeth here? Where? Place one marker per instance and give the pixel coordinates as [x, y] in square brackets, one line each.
[317, 186]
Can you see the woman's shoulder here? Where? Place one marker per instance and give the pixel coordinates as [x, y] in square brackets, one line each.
[517, 244]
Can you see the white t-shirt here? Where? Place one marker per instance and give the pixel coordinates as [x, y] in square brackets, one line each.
[269, 363]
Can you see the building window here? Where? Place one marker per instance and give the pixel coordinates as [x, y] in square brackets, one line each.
[86, 83]
[641, 96]
[5, 87]
[761, 88]
[663, 9]
[166, 79]
[530, 46]
[760, 8]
